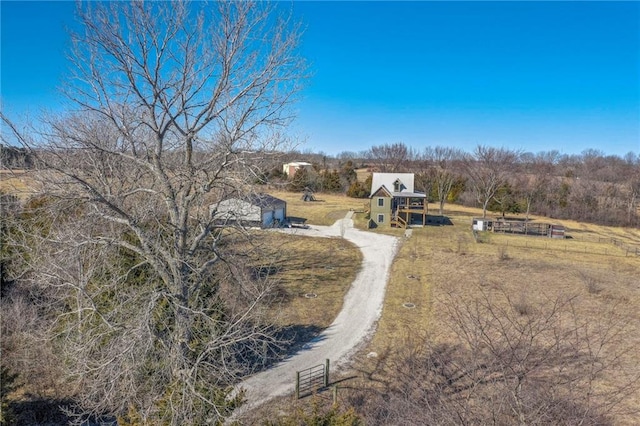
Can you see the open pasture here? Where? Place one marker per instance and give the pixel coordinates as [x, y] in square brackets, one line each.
[442, 278]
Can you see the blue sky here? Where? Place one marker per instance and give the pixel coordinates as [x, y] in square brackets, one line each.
[526, 75]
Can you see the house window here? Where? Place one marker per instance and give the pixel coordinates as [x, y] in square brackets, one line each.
[380, 202]
[396, 186]
[380, 218]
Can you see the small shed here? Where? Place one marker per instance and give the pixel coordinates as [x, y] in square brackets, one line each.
[261, 210]
[481, 224]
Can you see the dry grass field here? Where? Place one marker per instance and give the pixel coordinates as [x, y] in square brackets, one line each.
[440, 266]
[324, 211]
[362, 174]
[16, 182]
[595, 273]
[589, 278]
[312, 276]
[440, 258]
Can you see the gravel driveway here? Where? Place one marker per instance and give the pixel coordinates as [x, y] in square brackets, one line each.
[353, 325]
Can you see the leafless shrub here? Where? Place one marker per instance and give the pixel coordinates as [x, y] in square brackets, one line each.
[522, 306]
[25, 346]
[461, 247]
[502, 253]
[591, 283]
[546, 367]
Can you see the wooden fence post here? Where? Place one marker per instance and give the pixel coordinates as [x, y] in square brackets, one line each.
[297, 385]
[326, 373]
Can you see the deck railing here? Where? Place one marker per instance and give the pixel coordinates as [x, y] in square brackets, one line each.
[413, 209]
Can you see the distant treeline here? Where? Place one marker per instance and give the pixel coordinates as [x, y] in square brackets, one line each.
[591, 186]
[15, 158]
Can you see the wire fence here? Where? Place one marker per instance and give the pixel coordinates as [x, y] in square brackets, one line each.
[593, 245]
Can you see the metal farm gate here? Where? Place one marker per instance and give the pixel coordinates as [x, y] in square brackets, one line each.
[312, 379]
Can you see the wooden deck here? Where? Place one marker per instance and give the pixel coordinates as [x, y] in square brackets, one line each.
[403, 215]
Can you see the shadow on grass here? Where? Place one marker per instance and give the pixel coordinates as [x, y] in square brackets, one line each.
[291, 339]
[47, 412]
[297, 338]
[438, 220]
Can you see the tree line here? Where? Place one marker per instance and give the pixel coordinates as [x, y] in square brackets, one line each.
[591, 186]
[12, 158]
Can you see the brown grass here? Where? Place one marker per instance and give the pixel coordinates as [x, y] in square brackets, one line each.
[18, 183]
[324, 211]
[594, 266]
[363, 174]
[304, 266]
[530, 270]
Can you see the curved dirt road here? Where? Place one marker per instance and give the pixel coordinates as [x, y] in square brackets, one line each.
[355, 322]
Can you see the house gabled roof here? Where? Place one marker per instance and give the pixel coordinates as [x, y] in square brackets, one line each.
[396, 184]
[389, 179]
[382, 192]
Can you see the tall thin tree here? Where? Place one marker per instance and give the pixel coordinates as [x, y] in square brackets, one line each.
[487, 170]
[442, 162]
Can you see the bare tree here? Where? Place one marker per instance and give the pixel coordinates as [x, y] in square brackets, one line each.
[442, 165]
[487, 170]
[505, 200]
[533, 185]
[632, 188]
[392, 158]
[177, 104]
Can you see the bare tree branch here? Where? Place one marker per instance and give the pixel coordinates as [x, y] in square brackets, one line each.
[177, 104]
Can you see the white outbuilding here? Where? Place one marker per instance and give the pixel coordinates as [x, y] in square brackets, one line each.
[260, 210]
[481, 224]
[290, 169]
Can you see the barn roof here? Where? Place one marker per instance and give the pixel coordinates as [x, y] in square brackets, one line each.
[243, 207]
[264, 200]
